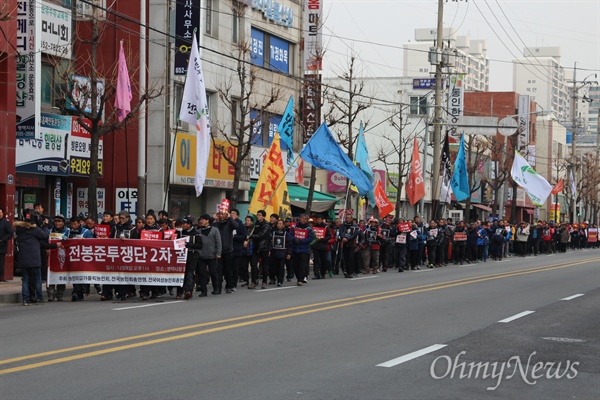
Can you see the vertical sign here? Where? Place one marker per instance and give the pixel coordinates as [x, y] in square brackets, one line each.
[55, 38]
[313, 40]
[28, 62]
[523, 121]
[455, 101]
[311, 110]
[126, 200]
[187, 15]
[82, 201]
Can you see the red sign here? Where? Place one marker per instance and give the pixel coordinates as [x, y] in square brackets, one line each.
[404, 227]
[320, 232]
[102, 231]
[151, 235]
[592, 235]
[460, 236]
[117, 261]
[300, 233]
[170, 234]
[224, 205]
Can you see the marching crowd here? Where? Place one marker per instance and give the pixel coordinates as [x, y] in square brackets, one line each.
[228, 253]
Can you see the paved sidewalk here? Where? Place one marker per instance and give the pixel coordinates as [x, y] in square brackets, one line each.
[10, 292]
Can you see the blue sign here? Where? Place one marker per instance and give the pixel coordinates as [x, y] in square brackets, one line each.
[423, 83]
[257, 47]
[279, 50]
[257, 132]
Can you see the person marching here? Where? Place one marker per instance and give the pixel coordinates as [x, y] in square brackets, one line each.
[78, 231]
[433, 243]
[372, 246]
[399, 247]
[210, 253]
[58, 232]
[300, 237]
[322, 249]
[280, 252]
[349, 232]
[194, 245]
[261, 241]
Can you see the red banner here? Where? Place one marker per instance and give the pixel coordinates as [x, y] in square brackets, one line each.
[592, 235]
[460, 236]
[404, 227]
[319, 232]
[151, 235]
[170, 234]
[415, 187]
[102, 231]
[383, 204]
[117, 261]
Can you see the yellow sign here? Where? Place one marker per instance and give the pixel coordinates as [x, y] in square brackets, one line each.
[219, 173]
[555, 212]
[271, 192]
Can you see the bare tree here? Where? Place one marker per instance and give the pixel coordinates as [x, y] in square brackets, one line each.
[240, 95]
[93, 95]
[590, 181]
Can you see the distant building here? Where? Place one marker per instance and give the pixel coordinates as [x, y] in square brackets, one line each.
[471, 57]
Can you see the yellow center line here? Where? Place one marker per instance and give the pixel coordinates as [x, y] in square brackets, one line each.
[350, 301]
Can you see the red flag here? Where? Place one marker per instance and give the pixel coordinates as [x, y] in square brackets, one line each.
[415, 187]
[383, 204]
[558, 187]
[299, 175]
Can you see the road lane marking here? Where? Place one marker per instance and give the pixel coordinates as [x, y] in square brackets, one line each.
[516, 316]
[149, 305]
[277, 288]
[332, 305]
[411, 356]
[572, 297]
[363, 277]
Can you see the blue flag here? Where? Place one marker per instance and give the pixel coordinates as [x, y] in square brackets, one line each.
[362, 155]
[460, 178]
[286, 130]
[323, 151]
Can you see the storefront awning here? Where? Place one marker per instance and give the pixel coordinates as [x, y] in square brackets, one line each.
[529, 211]
[482, 207]
[298, 196]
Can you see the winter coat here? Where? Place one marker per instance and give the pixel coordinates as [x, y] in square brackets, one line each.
[351, 232]
[324, 243]
[82, 232]
[298, 245]
[226, 229]
[118, 229]
[565, 236]
[211, 243]
[371, 244]
[30, 240]
[413, 243]
[261, 238]
[471, 237]
[422, 234]
[242, 233]
[5, 235]
[277, 252]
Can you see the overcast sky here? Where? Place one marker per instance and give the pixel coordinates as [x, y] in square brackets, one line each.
[375, 30]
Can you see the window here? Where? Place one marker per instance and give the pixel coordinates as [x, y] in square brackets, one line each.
[47, 85]
[418, 105]
[237, 27]
[177, 97]
[211, 21]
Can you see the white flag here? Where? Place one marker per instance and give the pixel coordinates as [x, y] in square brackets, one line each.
[537, 188]
[572, 182]
[194, 111]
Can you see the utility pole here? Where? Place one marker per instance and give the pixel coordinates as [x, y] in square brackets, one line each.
[437, 120]
[573, 140]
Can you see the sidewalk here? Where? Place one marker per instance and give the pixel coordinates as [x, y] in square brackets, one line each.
[10, 292]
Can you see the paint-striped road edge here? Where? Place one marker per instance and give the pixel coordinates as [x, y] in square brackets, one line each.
[411, 356]
[516, 316]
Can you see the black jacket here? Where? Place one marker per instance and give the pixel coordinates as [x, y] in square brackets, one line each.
[241, 234]
[5, 235]
[30, 241]
[226, 229]
[261, 237]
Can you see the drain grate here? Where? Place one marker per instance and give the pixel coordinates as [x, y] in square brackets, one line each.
[564, 340]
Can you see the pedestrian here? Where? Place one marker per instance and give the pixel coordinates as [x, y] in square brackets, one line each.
[522, 237]
[30, 240]
[210, 253]
[300, 238]
[279, 253]
[413, 247]
[146, 291]
[349, 233]
[78, 231]
[321, 249]
[371, 247]
[399, 247]
[261, 242]
[58, 232]
[459, 243]
[433, 243]
[385, 253]
[472, 234]
[226, 226]
[5, 237]
[421, 237]
[242, 249]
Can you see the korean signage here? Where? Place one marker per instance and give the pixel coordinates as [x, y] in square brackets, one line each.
[313, 40]
[118, 261]
[523, 121]
[455, 101]
[423, 83]
[311, 115]
[275, 11]
[80, 149]
[82, 201]
[257, 160]
[219, 173]
[257, 47]
[277, 53]
[126, 200]
[187, 14]
[47, 155]
[257, 133]
[28, 62]
[336, 182]
[55, 30]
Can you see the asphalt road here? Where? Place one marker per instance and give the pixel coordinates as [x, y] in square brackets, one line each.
[366, 338]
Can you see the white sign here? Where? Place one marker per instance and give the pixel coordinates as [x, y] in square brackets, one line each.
[313, 40]
[126, 200]
[82, 201]
[523, 121]
[456, 96]
[257, 160]
[55, 30]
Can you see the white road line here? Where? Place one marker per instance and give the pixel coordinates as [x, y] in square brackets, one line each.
[411, 356]
[278, 288]
[364, 277]
[516, 316]
[149, 305]
[424, 270]
[573, 297]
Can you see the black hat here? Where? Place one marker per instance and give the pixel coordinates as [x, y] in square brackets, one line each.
[188, 220]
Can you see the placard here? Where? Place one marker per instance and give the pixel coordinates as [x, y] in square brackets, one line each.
[385, 233]
[460, 236]
[151, 235]
[278, 242]
[300, 233]
[401, 239]
[102, 231]
[320, 232]
[404, 227]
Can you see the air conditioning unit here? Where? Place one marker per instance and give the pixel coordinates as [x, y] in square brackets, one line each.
[85, 11]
